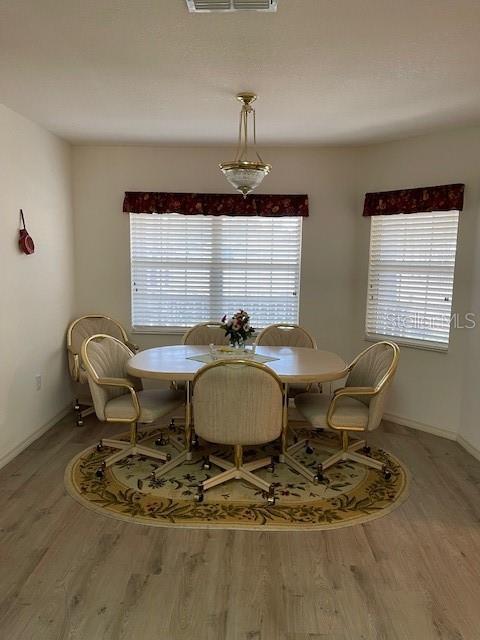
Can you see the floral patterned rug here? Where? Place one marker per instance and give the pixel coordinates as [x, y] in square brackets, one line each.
[349, 494]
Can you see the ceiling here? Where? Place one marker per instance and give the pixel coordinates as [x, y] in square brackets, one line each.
[326, 71]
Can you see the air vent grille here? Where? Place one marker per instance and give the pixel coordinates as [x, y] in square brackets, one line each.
[204, 6]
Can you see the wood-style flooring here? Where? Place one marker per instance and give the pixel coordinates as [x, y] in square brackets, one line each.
[68, 573]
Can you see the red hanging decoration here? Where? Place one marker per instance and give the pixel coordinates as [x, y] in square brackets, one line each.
[25, 241]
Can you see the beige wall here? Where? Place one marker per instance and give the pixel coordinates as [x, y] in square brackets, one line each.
[435, 389]
[37, 290]
[103, 174]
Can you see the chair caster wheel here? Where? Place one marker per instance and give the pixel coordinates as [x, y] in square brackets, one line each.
[198, 497]
[99, 446]
[271, 497]
[206, 464]
[387, 474]
[271, 467]
[152, 477]
[367, 450]
[76, 407]
[168, 457]
[161, 441]
[195, 443]
[79, 422]
[309, 449]
[319, 477]
[100, 472]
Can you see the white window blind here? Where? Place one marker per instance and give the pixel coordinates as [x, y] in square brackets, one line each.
[190, 269]
[410, 281]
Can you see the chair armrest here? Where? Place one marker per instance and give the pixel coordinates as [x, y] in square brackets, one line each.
[133, 347]
[347, 391]
[355, 391]
[115, 382]
[126, 384]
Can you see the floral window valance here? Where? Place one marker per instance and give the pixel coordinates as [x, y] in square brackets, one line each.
[445, 197]
[216, 204]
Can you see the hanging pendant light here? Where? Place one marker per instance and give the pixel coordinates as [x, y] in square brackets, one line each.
[244, 174]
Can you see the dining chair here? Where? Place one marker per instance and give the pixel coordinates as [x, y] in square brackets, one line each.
[205, 333]
[289, 335]
[285, 335]
[78, 331]
[355, 408]
[237, 402]
[118, 397]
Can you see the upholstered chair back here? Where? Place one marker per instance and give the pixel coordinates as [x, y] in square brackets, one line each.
[106, 357]
[375, 366]
[286, 335]
[237, 403]
[205, 333]
[87, 326]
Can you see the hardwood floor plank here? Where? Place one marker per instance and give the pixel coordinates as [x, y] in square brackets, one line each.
[70, 574]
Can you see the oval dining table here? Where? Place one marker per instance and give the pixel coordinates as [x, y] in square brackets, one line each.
[291, 364]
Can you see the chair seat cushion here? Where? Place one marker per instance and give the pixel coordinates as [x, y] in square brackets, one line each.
[314, 407]
[154, 404]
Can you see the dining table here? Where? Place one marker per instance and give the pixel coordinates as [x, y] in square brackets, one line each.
[180, 364]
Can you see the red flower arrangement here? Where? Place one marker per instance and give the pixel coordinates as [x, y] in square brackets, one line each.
[238, 328]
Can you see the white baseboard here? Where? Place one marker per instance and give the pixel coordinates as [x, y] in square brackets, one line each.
[13, 453]
[473, 451]
[405, 422]
[421, 426]
[436, 431]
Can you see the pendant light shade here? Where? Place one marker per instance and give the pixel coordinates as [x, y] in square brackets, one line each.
[243, 174]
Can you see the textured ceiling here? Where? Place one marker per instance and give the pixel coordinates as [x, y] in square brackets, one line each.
[326, 71]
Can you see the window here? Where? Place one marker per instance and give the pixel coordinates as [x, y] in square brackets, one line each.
[190, 269]
[410, 280]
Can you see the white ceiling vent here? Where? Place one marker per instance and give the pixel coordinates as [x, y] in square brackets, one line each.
[204, 6]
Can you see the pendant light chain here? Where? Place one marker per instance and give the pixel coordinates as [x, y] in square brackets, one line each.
[242, 147]
[238, 155]
[255, 136]
[245, 132]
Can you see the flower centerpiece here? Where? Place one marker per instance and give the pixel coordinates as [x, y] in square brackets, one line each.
[238, 328]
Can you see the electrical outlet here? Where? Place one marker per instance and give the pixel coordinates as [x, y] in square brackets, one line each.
[38, 382]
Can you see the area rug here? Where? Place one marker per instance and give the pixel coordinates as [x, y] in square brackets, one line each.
[350, 493]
